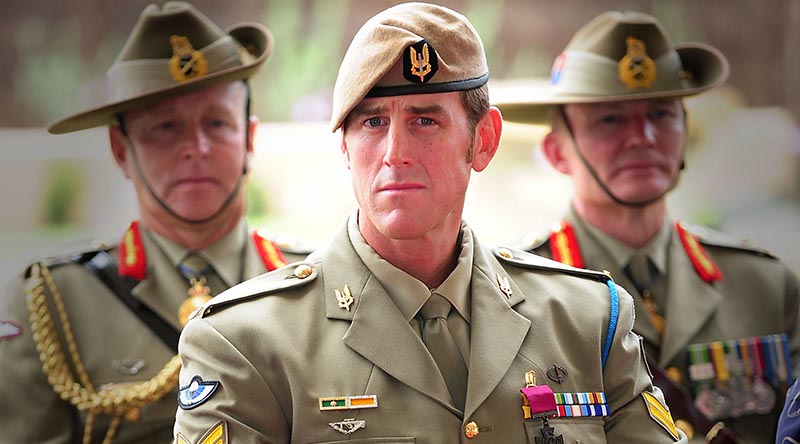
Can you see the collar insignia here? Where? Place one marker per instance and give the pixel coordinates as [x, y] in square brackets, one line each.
[196, 393]
[345, 298]
[420, 62]
[636, 69]
[186, 62]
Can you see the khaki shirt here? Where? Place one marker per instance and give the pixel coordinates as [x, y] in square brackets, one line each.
[113, 343]
[757, 296]
[263, 359]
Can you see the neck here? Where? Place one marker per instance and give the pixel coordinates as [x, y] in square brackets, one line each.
[430, 259]
[631, 225]
[192, 236]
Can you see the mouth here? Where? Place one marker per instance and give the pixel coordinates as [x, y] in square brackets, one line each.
[401, 187]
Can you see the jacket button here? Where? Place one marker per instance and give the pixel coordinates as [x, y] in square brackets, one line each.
[471, 429]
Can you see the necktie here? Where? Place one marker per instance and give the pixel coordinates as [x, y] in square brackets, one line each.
[439, 340]
[194, 266]
[640, 272]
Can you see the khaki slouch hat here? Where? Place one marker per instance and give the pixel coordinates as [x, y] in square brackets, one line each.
[620, 56]
[411, 48]
[172, 50]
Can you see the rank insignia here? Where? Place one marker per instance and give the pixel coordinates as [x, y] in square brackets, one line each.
[348, 426]
[186, 62]
[660, 414]
[217, 434]
[345, 298]
[9, 330]
[420, 62]
[348, 402]
[636, 69]
[196, 393]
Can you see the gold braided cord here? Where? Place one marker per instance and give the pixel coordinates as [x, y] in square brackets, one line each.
[117, 400]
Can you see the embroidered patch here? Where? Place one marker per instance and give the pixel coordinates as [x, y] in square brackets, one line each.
[217, 434]
[420, 62]
[660, 414]
[9, 330]
[196, 393]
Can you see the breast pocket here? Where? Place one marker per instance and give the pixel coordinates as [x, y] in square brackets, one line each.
[380, 440]
[572, 430]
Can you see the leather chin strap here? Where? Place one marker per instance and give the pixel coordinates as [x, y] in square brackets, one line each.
[167, 208]
[602, 185]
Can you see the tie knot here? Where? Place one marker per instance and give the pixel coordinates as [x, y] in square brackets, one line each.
[435, 307]
[639, 270]
[194, 265]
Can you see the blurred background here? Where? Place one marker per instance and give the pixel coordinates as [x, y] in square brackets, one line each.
[60, 192]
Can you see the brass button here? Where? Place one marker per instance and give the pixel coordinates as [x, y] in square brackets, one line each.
[686, 427]
[471, 430]
[302, 271]
[675, 374]
[505, 252]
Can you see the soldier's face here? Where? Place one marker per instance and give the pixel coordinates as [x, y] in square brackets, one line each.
[191, 149]
[410, 159]
[636, 148]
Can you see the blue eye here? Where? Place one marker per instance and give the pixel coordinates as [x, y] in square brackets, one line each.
[426, 121]
[373, 121]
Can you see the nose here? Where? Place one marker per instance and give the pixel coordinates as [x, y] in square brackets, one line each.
[196, 143]
[643, 132]
[398, 146]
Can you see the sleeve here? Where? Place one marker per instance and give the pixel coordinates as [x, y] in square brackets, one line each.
[32, 411]
[222, 393]
[638, 410]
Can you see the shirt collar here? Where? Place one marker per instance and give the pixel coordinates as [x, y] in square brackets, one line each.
[225, 255]
[656, 248]
[407, 292]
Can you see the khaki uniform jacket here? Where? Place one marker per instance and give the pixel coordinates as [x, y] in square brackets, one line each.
[278, 343]
[757, 296]
[109, 336]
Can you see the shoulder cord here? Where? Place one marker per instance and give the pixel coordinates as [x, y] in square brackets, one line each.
[116, 400]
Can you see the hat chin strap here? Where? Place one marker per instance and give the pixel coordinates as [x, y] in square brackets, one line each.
[602, 185]
[169, 209]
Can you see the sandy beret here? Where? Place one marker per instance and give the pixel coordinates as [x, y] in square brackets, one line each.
[620, 56]
[411, 48]
[172, 50]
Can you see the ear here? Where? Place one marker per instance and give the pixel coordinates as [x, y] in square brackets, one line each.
[252, 126]
[119, 149]
[487, 139]
[553, 147]
[345, 153]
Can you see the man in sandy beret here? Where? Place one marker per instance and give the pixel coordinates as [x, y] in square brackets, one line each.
[406, 328]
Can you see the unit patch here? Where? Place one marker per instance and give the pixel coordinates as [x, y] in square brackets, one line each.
[196, 393]
[420, 62]
[9, 330]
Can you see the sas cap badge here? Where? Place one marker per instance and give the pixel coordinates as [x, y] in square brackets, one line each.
[420, 62]
[636, 69]
[186, 62]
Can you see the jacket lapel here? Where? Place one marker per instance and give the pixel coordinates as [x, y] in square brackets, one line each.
[497, 330]
[685, 289]
[378, 331]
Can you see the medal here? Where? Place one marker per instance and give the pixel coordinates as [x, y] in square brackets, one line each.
[199, 294]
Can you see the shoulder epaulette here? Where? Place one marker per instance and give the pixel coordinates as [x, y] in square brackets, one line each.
[291, 245]
[715, 238]
[532, 261]
[74, 256]
[279, 280]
